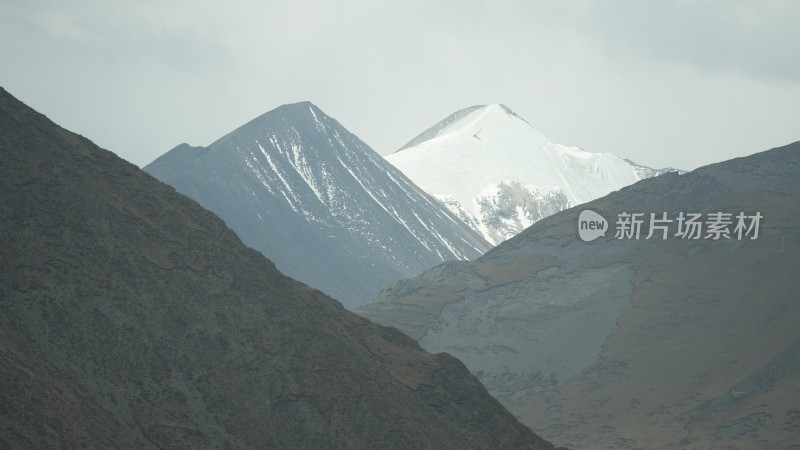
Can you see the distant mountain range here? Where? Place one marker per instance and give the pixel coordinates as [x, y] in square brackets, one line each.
[295, 185]
[499, 175]
[676, 341]
[130, 317]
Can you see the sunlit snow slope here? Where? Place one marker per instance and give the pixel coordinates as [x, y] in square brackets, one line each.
[500, 175]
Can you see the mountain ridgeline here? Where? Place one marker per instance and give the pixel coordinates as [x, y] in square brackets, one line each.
[130, 317]
[295, 185]
[677, 341]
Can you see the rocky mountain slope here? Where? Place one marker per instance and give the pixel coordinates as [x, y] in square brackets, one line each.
[500, 175]
[683, 342]
[295, 185]
[130, 317]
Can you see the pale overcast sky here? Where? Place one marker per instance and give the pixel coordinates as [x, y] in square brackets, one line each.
[664, 83]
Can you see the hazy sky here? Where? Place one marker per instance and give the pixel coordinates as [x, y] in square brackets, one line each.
[664, 83]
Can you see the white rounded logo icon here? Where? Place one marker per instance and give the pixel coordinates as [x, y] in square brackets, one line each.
[591, 225]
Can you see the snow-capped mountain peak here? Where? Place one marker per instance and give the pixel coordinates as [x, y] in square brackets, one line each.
[499, 174]
[470, 120]
[326, 208]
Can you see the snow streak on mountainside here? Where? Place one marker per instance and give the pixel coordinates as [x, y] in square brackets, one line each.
[500, 175]
[328, 210]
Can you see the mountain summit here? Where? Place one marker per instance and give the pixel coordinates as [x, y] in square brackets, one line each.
[500, 175]
[297, 186]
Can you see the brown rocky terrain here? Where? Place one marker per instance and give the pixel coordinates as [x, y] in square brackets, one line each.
[130, 317]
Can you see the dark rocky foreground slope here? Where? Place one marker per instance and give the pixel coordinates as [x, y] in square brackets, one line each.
[624, 343]
[132, 318]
